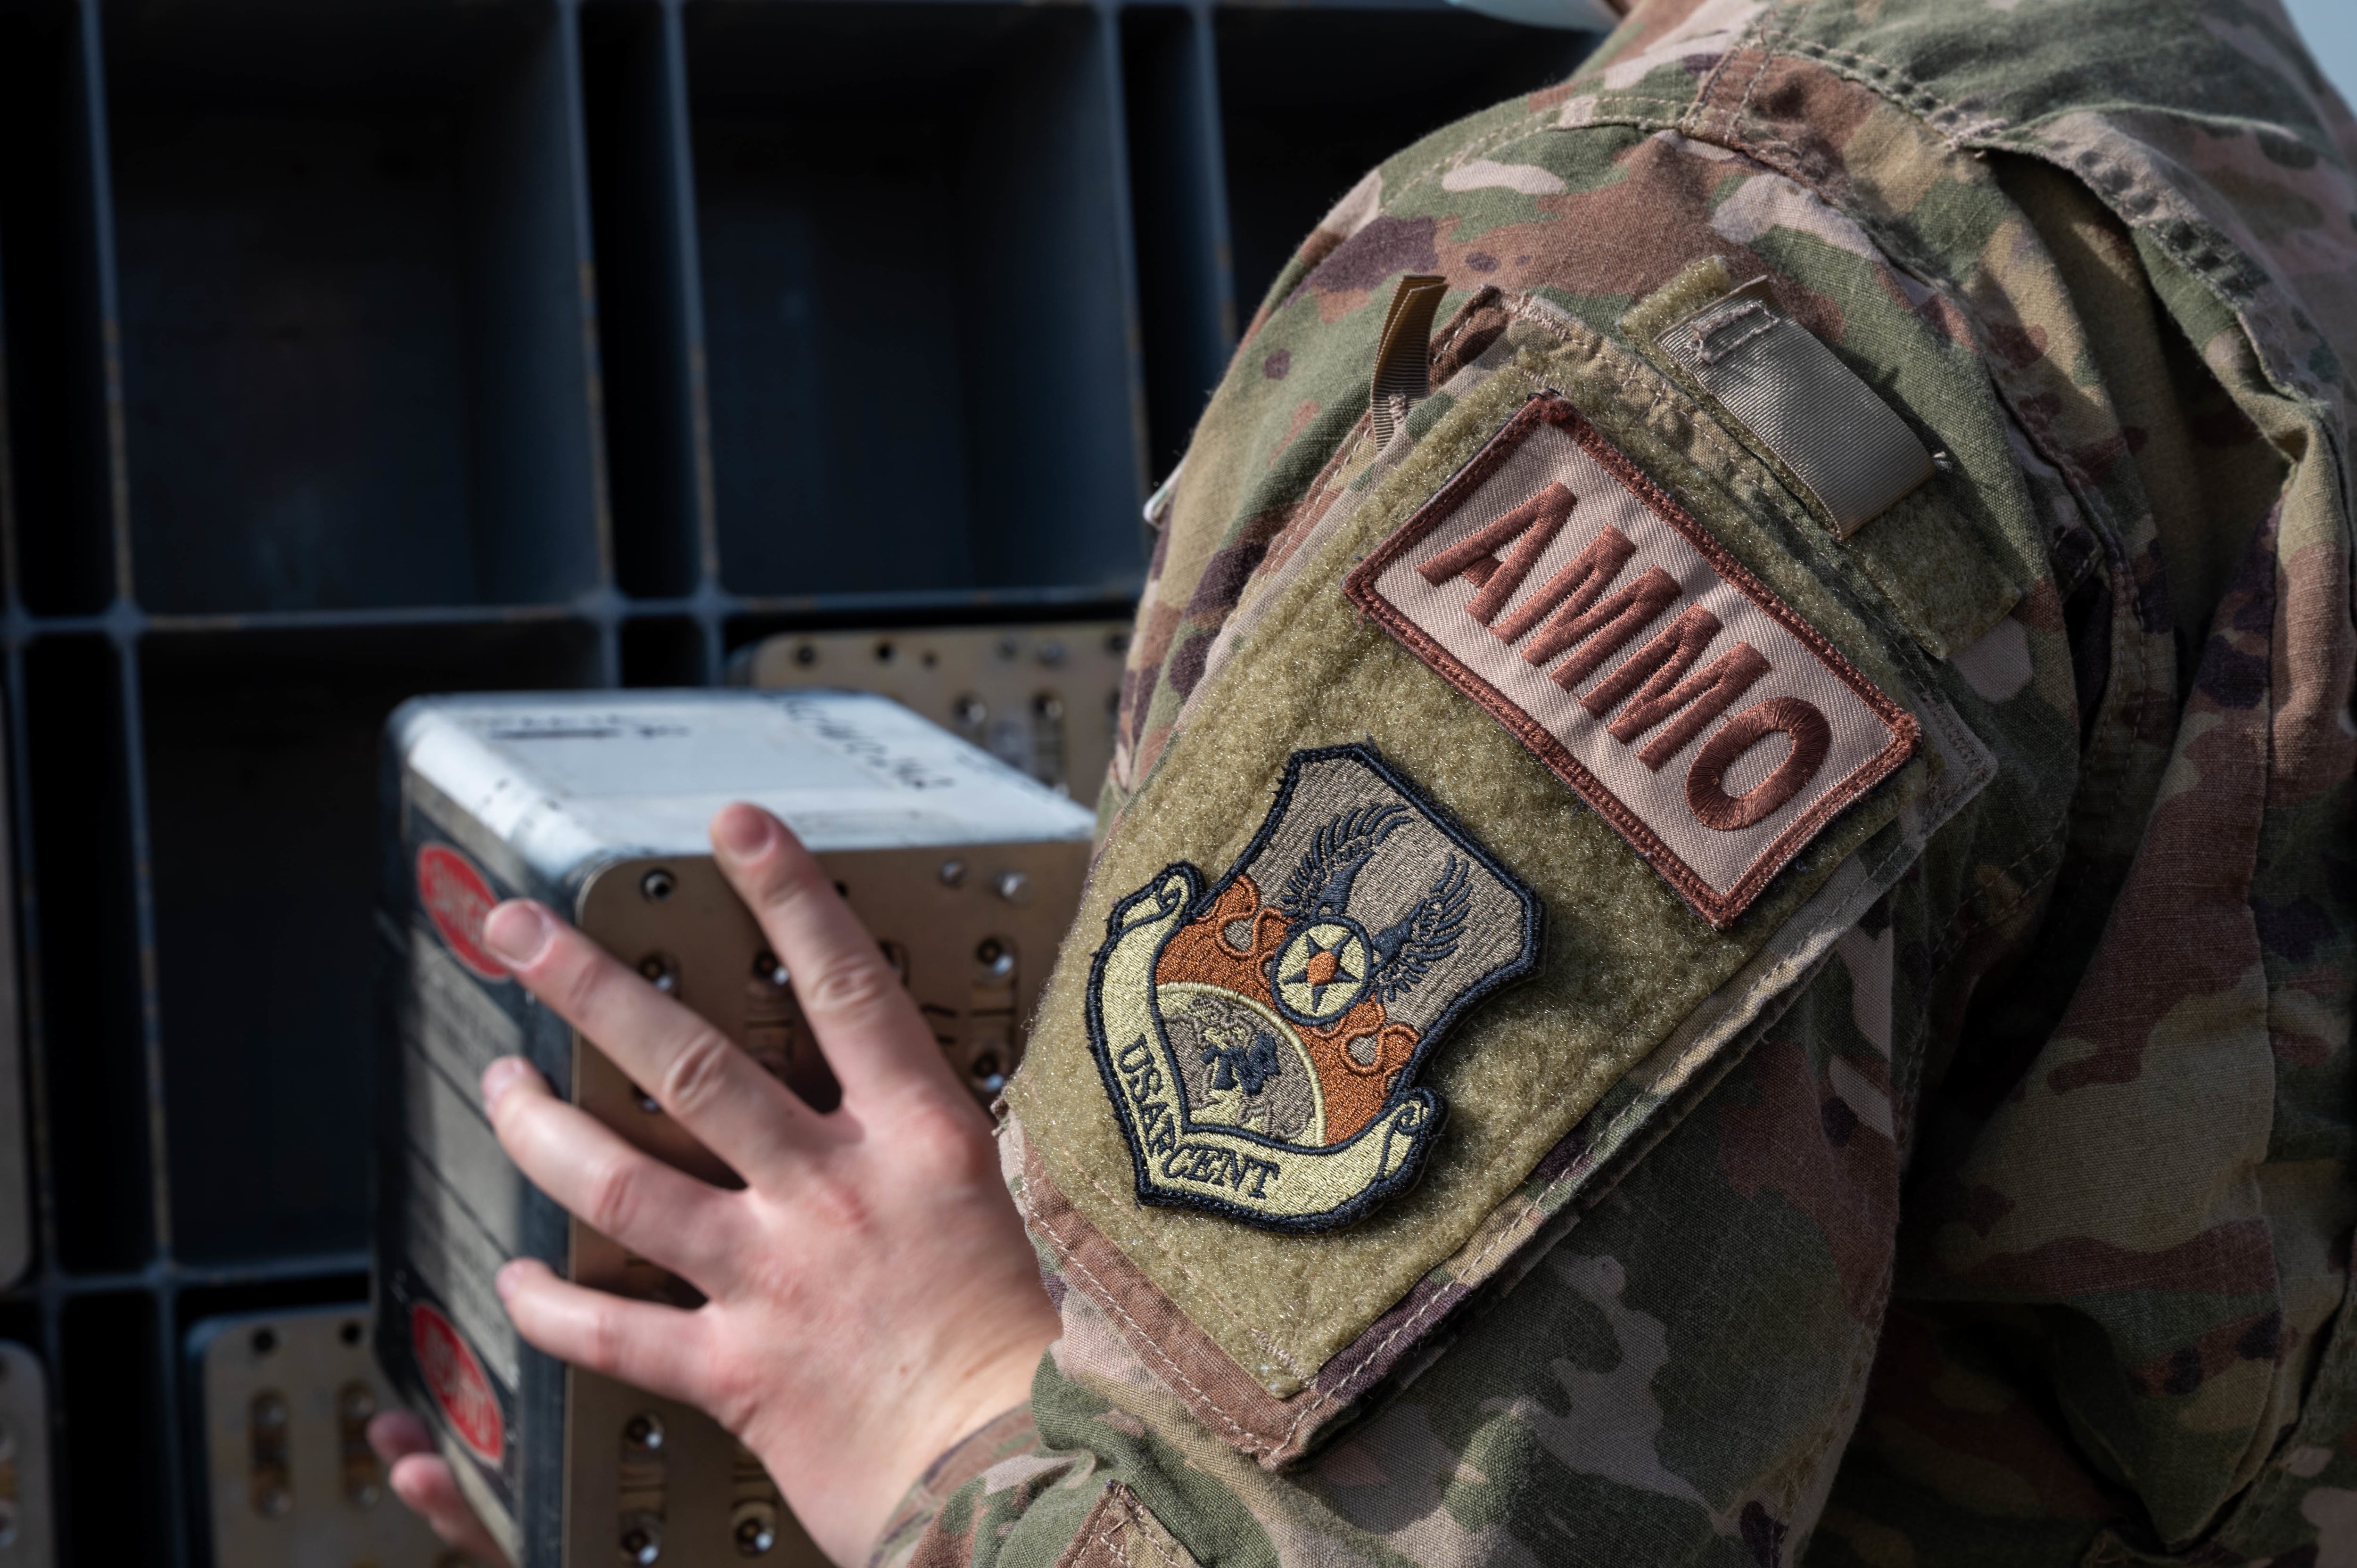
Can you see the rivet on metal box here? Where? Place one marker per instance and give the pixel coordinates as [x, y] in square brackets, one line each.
[967, 871]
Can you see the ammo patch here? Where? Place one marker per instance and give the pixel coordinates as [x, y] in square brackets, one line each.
[1260, 1040]
[1555, 585]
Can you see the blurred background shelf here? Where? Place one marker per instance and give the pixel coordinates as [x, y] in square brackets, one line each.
[349, 351]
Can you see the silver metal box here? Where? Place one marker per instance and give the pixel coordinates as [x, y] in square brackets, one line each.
[967, 871]
[1041, 698]
[293, 1482]
[26, 1537]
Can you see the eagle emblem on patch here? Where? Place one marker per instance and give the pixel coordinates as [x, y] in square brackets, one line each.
[1261, 1039]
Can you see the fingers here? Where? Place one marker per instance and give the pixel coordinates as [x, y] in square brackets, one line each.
[398, 1433]
[659, 1349]
[422, 1479]
[655, 1210]
[424, 1482]
[866, 1022]
[715, 1091]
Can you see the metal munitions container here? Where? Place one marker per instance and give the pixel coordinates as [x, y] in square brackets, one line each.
[597, 804]
[287, 1400]
[1041, 698]
[27, 1539]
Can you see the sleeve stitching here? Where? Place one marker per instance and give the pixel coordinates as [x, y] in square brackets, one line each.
[1275, 1351]
[1254, 1441]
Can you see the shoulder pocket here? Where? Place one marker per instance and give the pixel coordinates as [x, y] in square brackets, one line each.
[1737, 766]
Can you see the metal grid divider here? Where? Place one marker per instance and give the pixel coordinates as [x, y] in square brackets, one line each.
[1171, 345]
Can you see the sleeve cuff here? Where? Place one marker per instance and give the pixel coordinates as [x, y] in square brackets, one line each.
[1002, 1438]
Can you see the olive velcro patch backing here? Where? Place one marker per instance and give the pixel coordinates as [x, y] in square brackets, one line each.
[1555, 585]
[1260, 1041]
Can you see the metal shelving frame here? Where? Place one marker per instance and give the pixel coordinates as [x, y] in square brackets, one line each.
[357, 350]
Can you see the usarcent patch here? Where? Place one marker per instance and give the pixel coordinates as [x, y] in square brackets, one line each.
[1555, 585]
[1260, 1041]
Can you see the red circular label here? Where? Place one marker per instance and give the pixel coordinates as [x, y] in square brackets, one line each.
[457, 898]
[457, 1382]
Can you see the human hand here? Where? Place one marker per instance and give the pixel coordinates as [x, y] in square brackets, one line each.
[871, 1298]
[421, 1479]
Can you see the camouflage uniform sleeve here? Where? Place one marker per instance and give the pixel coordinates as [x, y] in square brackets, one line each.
[1977, 1193]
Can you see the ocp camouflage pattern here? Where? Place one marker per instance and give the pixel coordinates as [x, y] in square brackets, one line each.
[2009, 1222]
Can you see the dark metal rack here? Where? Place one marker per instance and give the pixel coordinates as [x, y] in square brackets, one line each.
[358, 350]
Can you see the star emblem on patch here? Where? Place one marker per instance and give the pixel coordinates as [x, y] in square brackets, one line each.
[1260, 1037]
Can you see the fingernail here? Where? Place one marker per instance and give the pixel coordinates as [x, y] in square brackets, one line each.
[743, 830]
[501, 1076]
[518, 931]
[504, 1281]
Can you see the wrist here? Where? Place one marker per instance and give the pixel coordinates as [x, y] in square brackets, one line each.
[865, 1473]
[961, 1412]
[1010, 1434]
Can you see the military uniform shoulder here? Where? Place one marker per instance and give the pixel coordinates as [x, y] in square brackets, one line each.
[1519, 710]
[1552, 737]
[1618, 593]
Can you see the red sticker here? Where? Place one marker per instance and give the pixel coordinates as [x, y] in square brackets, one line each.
[457, 898]
[459, 1383]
